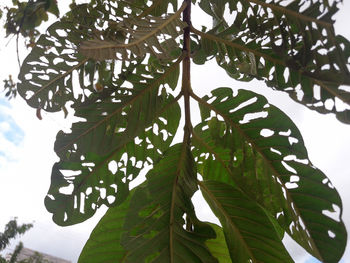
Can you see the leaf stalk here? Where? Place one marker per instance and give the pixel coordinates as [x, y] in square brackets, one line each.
[186, 72]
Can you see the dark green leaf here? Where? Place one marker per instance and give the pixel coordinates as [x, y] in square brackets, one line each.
[291, 45]
[127, 131]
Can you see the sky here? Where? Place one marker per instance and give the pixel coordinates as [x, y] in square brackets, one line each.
[26, 155]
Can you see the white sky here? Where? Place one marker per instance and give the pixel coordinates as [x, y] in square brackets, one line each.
[26, 154]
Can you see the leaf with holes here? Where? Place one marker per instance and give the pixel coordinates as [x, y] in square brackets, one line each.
[50, 73]
[101, 156]
[116, 65]
[155, 221]
[147, 35]
[108, 232]
[258, 149]
[291, 45]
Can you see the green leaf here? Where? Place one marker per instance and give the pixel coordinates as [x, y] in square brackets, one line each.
[127, 131]
[108, 232]
[47, 73]
[218, 246]
[54, 73]
[261, 152]
[143, 36]
[155, 223]
[249, 234]
[290, 45]
[159, 7]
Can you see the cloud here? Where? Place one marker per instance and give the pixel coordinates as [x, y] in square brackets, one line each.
[11, 135]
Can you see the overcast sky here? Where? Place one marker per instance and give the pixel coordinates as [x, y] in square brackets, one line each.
[26, 155]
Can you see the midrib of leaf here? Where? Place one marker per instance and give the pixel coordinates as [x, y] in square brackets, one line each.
[128, 103]
[228, 219]
[142, 39]
[58, 78]
[228, 120]
[173, 199]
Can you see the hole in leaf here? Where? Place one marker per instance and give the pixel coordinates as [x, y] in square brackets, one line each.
[331, 234]
[253, 116]
[266, 132]
[88, 191]
[294, 178]
[244, 104]
[275, 151]
[292, 140]
[290, 185]
[334, 213]
[113, 166]
[66, 190]
[103, 193]
[111, 199]
[82, 203]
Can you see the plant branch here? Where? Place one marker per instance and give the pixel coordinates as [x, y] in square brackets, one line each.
[186, 72]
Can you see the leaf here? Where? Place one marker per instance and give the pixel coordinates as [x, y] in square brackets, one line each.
[157, 8]
[48, 76]
[261, 152]
[54, 73]
[250, 237]
[150, 34]
[108, 149]
[290, 45]
[155, 222]
[218, 246]
[103, 244]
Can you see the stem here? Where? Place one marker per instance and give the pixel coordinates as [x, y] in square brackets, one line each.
[186, 72]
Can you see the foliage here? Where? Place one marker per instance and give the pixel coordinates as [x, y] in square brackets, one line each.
[10, 88]
[117, 64]
[24, 17]
[12, 231]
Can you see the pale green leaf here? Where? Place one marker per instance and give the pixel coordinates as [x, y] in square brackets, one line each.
[249, 234]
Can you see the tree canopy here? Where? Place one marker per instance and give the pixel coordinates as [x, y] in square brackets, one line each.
[118, 65]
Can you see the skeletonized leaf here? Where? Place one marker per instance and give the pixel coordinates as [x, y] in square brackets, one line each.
[150, 34]
[107, 150]
[259, 150]
[250, 236]
[155, 222]
[289, 44]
